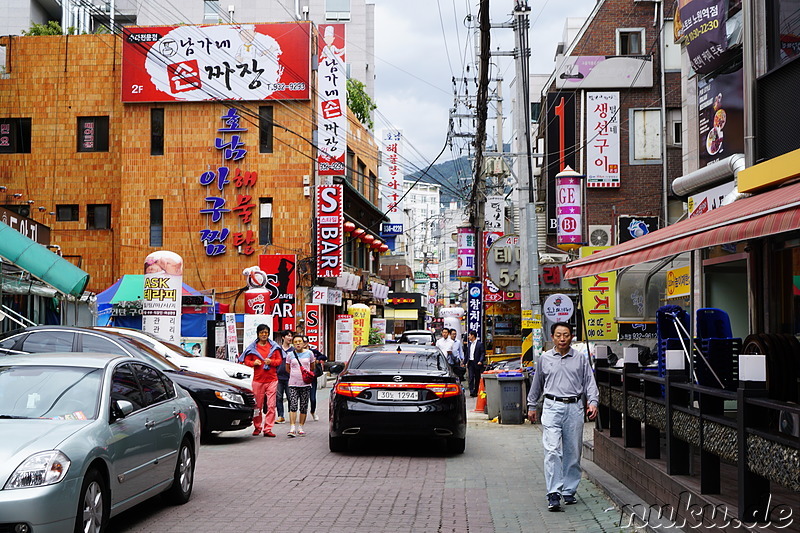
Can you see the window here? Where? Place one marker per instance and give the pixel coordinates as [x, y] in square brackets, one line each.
[67, 212]
[265, 129]
[783, 26]
[373, 188]
[125, 387]
[536, 110]
[645, 141]
[337, 9]
[96, 344]
[211, 12]
[153, 387]
[93, 134]
[349, 167]
[15, 135]
[630, 41]
[264, 221]
[675, 124]
[157, 222]
[157, 131]
[453, 276]
[362, 178]
[48, 341]
[98, 216]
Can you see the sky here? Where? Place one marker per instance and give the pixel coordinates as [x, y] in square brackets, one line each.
[420, 45]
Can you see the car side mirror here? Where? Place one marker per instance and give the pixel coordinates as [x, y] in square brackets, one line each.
[120, 409]
[335, 368]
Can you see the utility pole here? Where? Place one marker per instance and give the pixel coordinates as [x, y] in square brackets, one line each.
[531, 302]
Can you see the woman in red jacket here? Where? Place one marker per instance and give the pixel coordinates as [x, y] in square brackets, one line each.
[265, 356]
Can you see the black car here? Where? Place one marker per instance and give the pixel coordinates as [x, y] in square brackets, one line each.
[223, 406]
[397, 390]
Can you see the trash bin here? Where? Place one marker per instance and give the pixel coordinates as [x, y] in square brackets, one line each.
[512, 397]
[492, 389]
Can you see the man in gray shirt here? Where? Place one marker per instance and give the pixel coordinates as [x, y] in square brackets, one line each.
[564, 377]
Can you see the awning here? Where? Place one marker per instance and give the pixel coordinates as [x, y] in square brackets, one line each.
[41, 262]
[772, 212]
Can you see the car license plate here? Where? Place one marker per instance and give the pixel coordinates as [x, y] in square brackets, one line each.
[398, 395]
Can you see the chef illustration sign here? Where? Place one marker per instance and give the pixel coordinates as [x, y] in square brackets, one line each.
[558, 308]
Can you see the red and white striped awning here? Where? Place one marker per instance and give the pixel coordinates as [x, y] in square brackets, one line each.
[768, 213]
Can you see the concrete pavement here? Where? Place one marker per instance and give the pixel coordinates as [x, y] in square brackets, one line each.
[256, 484]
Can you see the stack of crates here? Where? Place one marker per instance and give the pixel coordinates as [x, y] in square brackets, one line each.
[715, 340]
[669, 335]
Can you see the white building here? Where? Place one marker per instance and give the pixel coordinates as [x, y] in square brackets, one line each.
[422, 218]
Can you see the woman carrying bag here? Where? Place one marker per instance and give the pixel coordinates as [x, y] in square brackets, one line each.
[300, 365]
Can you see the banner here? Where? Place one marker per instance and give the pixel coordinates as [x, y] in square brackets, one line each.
[392, 175]
[702, 24]
[344, 337]
[466, 271]
[330, 231]
[602, 145]
[315, 329]
[281, 283]
[332, 101]
[720, 103]
[163, 290]
[231, 339]
[475, 310]
[361, 325]
[217, 62]
[598, 294]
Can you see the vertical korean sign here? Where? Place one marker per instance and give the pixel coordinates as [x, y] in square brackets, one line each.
[330, 231]
[465, 271]
[598, 293]
[215, 236]
[392, 179]
[281, 285]
[314, 327]
[475, 309]
[568, 209]
[332, 106]
[163, 290]
[491, 292]
[602, 145]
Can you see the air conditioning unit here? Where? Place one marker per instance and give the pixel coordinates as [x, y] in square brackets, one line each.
[789, 423]
[600, 235]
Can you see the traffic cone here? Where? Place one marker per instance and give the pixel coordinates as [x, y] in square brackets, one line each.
[480, 404]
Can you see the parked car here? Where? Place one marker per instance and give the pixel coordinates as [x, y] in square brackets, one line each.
[86, 437]
[223, 405]
[397, 390]
[417, 336]
[239, 374]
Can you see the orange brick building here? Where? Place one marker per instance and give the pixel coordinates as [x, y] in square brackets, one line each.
[110, 207]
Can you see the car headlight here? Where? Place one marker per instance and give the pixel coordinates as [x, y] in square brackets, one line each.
[38, 470]
[229, 397]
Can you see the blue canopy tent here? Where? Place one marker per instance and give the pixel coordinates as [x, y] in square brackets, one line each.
[130, 288]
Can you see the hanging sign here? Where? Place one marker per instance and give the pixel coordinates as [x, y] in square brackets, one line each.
[330, 231]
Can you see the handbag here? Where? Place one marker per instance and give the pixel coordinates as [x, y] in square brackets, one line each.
[308, 376]
[318, 369]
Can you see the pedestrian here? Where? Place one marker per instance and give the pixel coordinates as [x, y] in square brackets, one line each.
[458, 355]
[564, 378]
[445, 344]
[320, 359]
[299, 391]
[476, 357]
[285, 340]
[265, 356]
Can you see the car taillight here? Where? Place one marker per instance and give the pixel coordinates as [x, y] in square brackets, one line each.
[444, 390]
[350, 389]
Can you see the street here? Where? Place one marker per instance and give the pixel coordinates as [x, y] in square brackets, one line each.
[245, 483]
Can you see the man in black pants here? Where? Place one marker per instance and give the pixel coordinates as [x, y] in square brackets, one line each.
[476, 357]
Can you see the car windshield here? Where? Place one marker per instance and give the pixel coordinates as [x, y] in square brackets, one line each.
[427, 360]
[52, 392]
[418, 338]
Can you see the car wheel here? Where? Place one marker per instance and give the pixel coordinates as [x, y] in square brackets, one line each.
[183, 481]
[337, 444]
[93, 504]
[456, 445]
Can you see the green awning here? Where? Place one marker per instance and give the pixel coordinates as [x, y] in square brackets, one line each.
[41, 262]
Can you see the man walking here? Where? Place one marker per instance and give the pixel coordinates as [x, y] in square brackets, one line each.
[564, 377]
[445, 344]
[476, 356]
[458, 355]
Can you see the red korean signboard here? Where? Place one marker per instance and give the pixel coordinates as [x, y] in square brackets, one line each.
[332, 106]
[282, 286]
[216, 62]
[314, 328]
[330, 231]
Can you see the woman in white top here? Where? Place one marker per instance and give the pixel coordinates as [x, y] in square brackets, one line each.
[299, 391]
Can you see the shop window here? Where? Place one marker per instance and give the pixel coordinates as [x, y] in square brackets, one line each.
[15, 135]
[157, 131]
[265, 221]
[645, 133]
[92, 134]
[630, 41]
[265, 128]
[157, 222]
[67, 212]
[98, 216]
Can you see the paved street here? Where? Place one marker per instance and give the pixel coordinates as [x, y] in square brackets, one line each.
[255, 484]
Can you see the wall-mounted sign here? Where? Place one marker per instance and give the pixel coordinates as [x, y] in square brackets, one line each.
[720, 113]
[494, 213]
[631, 227]
[332, 101]
[602, 145]
[679, 282]
[491, 292]
[475, 309]
[282, 286]
[604, 72]
[502, 263]
[559, 145]
[466, 270]
[330, 232]
[326, 296]
[217, 62]
[558, 308]
[314, 328]
[392, 175]
[569, 209]
[599, 301]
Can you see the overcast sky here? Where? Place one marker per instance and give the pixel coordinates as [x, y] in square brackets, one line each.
[418, 52]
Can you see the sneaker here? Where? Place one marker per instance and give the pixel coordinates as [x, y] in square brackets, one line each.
[291, 434]
[315, 417]
[553, 502]
[569, 499]
[269, 434]
[280, 420]
[300, 432]
[256, 432]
